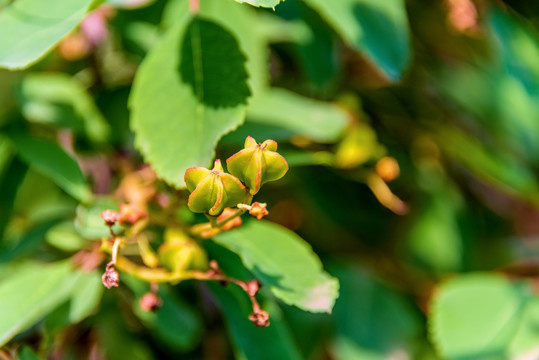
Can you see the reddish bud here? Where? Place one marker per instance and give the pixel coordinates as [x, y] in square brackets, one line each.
[110, 217]
[150, 302]
[260, 318]
[258, 210]
[110, 277]
[130, 213]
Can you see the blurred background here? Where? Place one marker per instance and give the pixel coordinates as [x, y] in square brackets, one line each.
[413, 155]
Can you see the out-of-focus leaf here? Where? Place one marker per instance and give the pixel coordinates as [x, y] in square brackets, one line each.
[316, 120]
[502, 170]
[50, 160]
[27, 353]
[372, 321]
[175, 323]
[32, 293]
[85, 297]
[64, 237]
[35, 26]
[89, 224]
[476, 316]
[60, 100]
[525, 343]
[434, 237]
[377, 28]
[285, 263]
[262, 3]
[273, 342]
[209, 96]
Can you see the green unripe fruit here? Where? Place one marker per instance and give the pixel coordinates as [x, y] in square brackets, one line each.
[257, 164]
[213, 190]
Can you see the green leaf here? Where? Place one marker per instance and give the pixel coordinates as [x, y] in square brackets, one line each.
[184, 97]
[51, 160]
[285, 263]
[316, 120]
[88, 221]
[32, 292]
[372, 320]
[63, 236]
[27, 353]
[377, 28]
[59, 99]
[34, 27]
[527, 334]
[476, 316]
[86, 296]
[263, 3]
[175, 323]
[272, 342]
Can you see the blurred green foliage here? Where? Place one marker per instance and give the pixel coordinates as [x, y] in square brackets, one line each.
[407, 226]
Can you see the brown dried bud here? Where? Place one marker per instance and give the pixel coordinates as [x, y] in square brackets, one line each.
[258, 210]
[234, 223]
[150, 302]
[110, 277]
[110, 217]
[130, 213]
[260, 318]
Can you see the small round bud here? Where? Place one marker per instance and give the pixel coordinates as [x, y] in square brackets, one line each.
[110, 217]
[150, 302]
[387, 168]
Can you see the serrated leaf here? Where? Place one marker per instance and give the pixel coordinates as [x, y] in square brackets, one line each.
[316, 120]
[273, 342]
[285, 263]
[184, 100]
[49, 159]
[60, 100]
[377, 28]
[475, 316]
[262, 3]
[31, 293]
[34, 27]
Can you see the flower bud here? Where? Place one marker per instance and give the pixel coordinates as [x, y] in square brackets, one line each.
[213, 190]
[257, 164]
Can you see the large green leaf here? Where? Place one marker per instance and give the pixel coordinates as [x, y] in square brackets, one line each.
[31, 28]
[263, 3]
[60, 100]
[49, 159]
[372, 321]
[31, 293]
[185, 97]
[476, 316]
[377, 28]
[285, 263]
[316, 120]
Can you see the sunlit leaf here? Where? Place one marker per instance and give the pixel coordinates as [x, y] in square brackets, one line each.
[185, 97]
[51, 160]
[285, 263]
[34, 27]
[262, 3]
